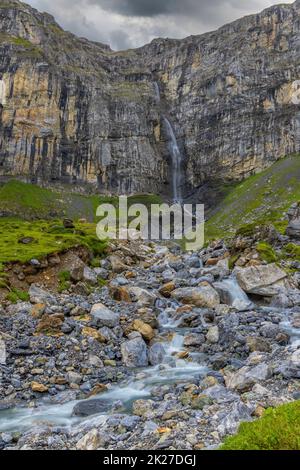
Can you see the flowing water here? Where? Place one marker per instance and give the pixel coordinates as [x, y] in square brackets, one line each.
[237, 298]
[175, 153]
[171, 370]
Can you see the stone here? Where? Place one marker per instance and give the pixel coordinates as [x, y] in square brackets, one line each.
[90, 407]
[89, 276]
[76, 268]
[74, 377]
[260, 280]
[167, 289]
[202, 296]
[92, 333]
[134, 353]
[37, 387]
[50, 324]
[213, 335]
[38, 310]
[2, 352]
[247, 377]
[142, 408]
[40, 296]
[255, 343]
[194, 339]
[120, 294]
[143, 297]
[68, 223]
[145, 330]
[90, 441]
[117, 264]
[103, 316]
[157, 354]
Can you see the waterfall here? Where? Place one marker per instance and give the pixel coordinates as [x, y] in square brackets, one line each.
[174, 152]
[176, 162]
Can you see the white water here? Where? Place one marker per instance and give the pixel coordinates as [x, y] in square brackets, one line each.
[172, 370]
[238, 298]
[174, 152]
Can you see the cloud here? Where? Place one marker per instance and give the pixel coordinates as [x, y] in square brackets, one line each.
[131, 23]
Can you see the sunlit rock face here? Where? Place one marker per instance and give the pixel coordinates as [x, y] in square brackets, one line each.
[73, 111]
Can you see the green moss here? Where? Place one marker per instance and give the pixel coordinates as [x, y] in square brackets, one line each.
[266, 252]
[102, 282]
[278, 429]
[233, 259]
[13, 230]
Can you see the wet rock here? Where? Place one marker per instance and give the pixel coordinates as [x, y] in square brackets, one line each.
[90, 407]
[167, 289]
[103, 316]
[134, 353]
[202, 296]
[157, 354]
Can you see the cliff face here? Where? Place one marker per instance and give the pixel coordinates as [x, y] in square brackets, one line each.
[75, 111]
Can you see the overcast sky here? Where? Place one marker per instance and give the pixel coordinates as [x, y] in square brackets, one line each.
[131, 23]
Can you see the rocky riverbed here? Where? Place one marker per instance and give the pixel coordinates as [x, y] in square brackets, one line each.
[173, 352]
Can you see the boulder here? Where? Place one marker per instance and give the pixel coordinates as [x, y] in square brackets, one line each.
[142, 407]
[202, 296]
[89, 275]
[263, 280]
[40, 296]
[143, 297]
[145, 330]
[247, 377]
[117, 264]
[37, 387]
[76, 268]
[134, 352]
[194, 339]
[90, 407]
[156, 354]
[103, 316]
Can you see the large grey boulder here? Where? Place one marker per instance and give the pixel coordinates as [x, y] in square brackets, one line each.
[247, 377]
[264, 280]
[90, 407]
[156, 354]
[103, 316]
[40, 296]
[134, 352]
[201, 296]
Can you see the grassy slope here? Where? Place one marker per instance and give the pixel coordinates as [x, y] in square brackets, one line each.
[278, 429]
[261, 198]
[35, 213]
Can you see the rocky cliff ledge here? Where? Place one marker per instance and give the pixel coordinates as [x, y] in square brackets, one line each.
[75, 111]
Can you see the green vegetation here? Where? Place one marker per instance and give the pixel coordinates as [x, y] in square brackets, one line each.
[42, 239]
[278, 429]
[292, 251]
[266, 252]
[64, 279]
[25, 47]
[260, 199]
[15, 295]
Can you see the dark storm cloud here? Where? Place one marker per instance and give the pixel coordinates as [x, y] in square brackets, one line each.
[132, 23]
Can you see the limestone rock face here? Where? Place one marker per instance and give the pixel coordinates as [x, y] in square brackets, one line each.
[74, 111]
[261, 280]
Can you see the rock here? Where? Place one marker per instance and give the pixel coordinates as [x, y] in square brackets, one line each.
[103, 316]
[76, 268]
[90, 407]
[167, 289]
[143, 297]
[246, 377]
[255, 343]
[120, 294]
[37, 387]
[74, 378]
[37, 310]
[92, 333]
[142, 408]
[213, 335]
[2, 352]
[26, 240]
[194, 339]
[134, 353]
[145, 330]
[202, 296]
[157, 354]
[90, 441]
[89, 275]
[68, 223]
[117, 264]
[101, 273]
[295, 358]
[40, 296]
[50, 324]
[260, 280]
